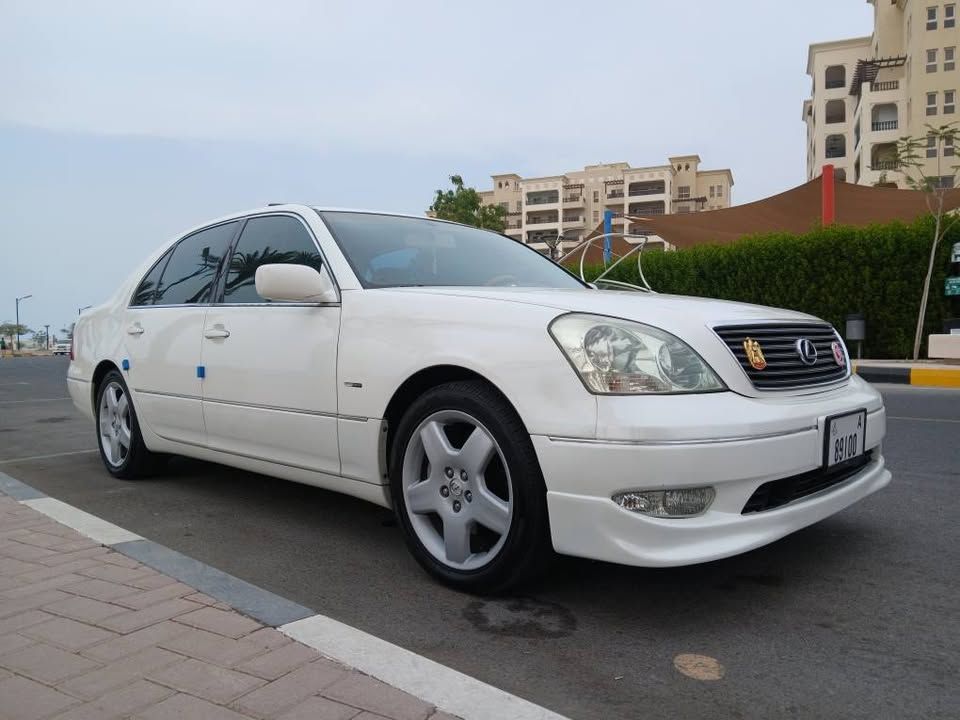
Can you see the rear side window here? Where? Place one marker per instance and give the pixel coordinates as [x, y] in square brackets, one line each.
[189, 275]
[267, 240]
[147, 287]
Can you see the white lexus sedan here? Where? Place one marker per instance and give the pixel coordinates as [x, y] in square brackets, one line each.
[499, 405]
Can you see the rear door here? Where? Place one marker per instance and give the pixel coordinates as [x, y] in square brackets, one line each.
[164, 329]
[270, 388]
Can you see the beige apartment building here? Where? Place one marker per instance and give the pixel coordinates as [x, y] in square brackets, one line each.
[870, 91]
[572, 204]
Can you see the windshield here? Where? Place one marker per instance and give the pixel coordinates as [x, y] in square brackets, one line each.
[393, 251]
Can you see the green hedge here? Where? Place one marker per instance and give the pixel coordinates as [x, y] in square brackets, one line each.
[829, 272]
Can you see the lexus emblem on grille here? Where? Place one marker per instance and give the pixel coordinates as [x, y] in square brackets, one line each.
[807, 351]
[838, 357]
[754, 354]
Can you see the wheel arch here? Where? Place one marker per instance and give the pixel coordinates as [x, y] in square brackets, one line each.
[419, 383]
[103, 367]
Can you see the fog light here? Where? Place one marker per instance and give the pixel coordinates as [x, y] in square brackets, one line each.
[681, 502]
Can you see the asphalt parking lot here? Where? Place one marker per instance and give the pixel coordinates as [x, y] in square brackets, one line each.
[856, 617]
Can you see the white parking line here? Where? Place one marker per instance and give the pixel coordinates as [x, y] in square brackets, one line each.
[46, 457]
[105, 533]
[444, 687]
[21, 402]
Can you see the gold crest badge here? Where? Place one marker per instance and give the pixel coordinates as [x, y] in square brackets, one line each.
[754, 354]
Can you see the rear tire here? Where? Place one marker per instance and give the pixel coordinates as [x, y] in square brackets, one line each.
[468, 491]
[119, 439]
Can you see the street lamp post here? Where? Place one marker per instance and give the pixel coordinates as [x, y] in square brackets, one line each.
[23, 297]
[46, 335]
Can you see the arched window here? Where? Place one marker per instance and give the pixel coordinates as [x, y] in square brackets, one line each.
[836, 111]
[835, 146]
[835, 77]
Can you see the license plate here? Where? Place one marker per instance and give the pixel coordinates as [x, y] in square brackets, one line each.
[844, 437]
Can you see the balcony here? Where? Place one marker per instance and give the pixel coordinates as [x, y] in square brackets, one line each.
[881, 125]
[885, 85]
[885, 165]
[512, 225]
[542, 200]
[613, 194]
[573, 200]
[573, 219]
[638, 189]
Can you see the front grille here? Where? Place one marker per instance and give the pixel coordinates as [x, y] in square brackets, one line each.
[777, 493]
[784, 369]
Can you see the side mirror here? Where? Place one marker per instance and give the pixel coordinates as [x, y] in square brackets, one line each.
[295, 283]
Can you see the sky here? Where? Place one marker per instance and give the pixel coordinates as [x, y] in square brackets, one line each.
[123, 123]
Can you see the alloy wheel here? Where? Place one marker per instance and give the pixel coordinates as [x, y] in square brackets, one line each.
[115, 424]
[457, 490]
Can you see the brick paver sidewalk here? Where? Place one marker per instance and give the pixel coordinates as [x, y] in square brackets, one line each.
[88, 633]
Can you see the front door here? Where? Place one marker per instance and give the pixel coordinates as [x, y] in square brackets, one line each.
[269, 390]
[163, 329]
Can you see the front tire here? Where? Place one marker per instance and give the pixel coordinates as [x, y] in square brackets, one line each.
[122, 450]
[468, 490]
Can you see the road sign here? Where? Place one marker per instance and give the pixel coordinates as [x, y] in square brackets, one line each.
[952, 286]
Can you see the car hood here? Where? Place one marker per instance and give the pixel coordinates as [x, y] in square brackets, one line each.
[666, 311]
[689, 318]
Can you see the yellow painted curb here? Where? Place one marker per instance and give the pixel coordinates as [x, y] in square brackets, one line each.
[935, 378]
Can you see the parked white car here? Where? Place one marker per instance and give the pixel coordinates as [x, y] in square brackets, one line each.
[61, 349]
[500, 405]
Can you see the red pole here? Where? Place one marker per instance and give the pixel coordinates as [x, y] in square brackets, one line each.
[828, 205]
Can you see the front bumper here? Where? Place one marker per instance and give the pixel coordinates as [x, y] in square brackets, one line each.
[721, 445]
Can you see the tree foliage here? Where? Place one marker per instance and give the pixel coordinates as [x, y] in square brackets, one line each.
[463, 205]
[829, 272]
[913, 154]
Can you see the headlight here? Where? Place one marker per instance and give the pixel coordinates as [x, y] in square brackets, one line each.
[620, 357]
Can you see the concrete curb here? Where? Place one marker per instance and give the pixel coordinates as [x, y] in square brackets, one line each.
[906, 375]
[442, 686]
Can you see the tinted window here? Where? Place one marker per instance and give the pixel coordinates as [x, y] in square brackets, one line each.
[144, 292]
[265, 241]
[391, 251]
[188, 277]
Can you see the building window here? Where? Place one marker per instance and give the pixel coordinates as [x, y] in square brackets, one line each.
[596, 216]
[932, 18]
[931, 103]
[713, 191]
[949, 16]
[719, 190]
[505, 206]
[683, 192]
[949, 58]
[596, 196]
[519, 205]
[948, 150]
[949, 102]
[944, 182]
[931, 146]
[932, 61]
[835, 76]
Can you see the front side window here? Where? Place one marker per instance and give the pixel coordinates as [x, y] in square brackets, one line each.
[265, 241]
[393, 251]
[189, 275]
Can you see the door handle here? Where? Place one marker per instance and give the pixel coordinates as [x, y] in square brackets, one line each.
[135, 329]
[217, 332]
